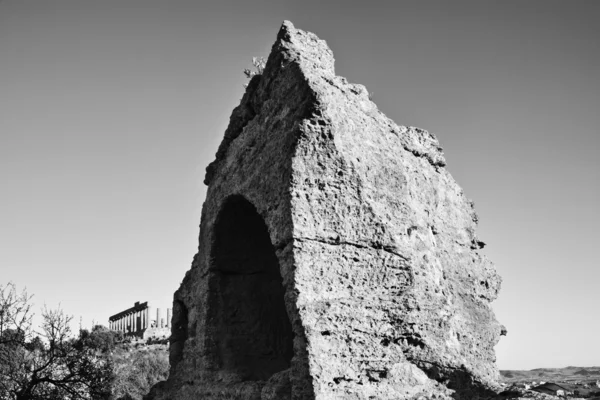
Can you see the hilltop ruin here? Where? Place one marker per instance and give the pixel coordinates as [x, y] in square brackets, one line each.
[337, 257]
[138, 321]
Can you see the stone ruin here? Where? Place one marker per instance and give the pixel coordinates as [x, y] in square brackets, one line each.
[138, 321]
[337, 257]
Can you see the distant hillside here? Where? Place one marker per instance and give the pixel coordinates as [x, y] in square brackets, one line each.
[566, 374]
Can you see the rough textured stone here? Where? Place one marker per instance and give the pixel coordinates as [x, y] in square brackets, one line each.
[337, 257]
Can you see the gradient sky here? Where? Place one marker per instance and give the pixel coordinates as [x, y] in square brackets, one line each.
[110, 111]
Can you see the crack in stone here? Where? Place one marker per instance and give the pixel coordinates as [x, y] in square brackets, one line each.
[427, 156]
[334, 242]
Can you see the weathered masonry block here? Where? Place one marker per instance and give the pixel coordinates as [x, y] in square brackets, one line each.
[337, 257]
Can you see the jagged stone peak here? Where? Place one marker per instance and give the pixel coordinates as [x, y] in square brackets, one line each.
[303, 46]
[316, 63]
[337, 257]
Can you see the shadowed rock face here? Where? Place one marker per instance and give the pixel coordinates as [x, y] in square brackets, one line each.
[253, 334]
[337, 257]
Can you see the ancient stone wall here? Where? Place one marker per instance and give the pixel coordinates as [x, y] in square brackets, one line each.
[337, 256]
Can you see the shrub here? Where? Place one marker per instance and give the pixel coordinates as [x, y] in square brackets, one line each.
[136, 372]
[259, 67]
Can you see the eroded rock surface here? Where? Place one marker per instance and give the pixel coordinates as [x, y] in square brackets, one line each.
[337, 257]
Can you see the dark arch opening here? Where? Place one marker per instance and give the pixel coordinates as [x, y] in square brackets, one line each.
[251, 331]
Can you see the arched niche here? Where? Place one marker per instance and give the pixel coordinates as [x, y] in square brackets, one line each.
[250, 331]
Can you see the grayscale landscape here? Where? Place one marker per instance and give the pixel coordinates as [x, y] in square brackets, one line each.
[299, 200]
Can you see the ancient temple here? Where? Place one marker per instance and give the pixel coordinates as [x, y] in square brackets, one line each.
[139, 319]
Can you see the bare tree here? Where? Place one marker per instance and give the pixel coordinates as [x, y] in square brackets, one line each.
[15, 313]
[52, 365]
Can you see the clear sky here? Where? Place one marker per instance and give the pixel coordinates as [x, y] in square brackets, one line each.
[110, 111]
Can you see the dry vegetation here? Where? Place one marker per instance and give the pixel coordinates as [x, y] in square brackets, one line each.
[52, 363]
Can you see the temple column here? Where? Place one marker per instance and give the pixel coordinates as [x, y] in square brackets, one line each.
[158, 318]
[135, 321]
[168, 317]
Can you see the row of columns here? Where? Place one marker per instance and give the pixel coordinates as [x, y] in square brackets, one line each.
[140, 320]
[132, 322]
